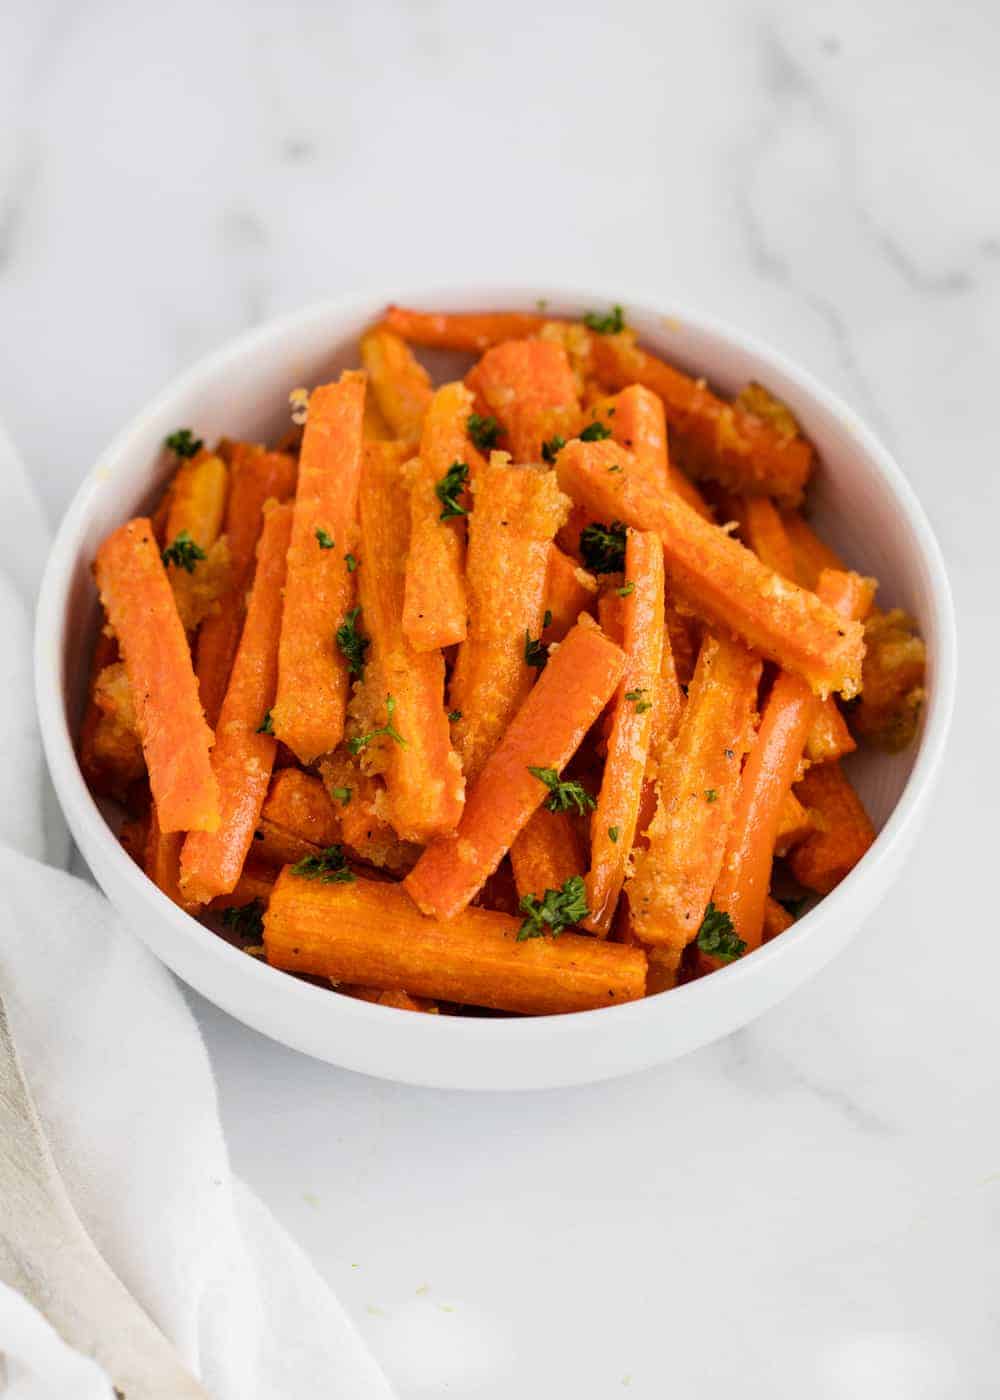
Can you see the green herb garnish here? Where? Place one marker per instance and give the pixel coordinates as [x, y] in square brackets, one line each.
[183, 442]
[351, 563]
[625, 589]
[449, 488]
[342, 794]
[353, 644]
[483, 431]
[388, 729]
[613, 834]
[718, 938]
[329, 866]
[595, 432]
[610, 324]
[556, 910]
[325, 540]
[603, 547]
[266, 725]
[551, 448]
[563, 796]
[246, 920]
[535, 652]
[454, 715]
[711, 794]
[638, 698]
[183, 553]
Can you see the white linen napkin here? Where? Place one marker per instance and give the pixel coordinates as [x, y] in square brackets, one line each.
[125, 1093]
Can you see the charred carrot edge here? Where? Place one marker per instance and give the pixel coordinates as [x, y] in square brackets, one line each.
[722, 441]
[545, 733]
[613, 824]
[373, 935]
[547, 853]
[175, 738]
[255, 475]
[673, 880]
[461, 330]
[434, 609]
[423, 778]
[719, 579]
[843, 832]
[308, 714]
[528, 386]
[515, 516]
[809, 552]
[569, 591]
[794, 825]
[398, 381]
[256, 882]
[776, 919]
[243, 755]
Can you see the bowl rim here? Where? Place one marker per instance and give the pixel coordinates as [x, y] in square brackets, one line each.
[863, 886]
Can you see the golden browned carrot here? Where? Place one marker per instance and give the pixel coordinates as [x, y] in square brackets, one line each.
[776, 919]
[308, 714]
[893, 675]
[794, 825]
[613, 824]
[569, 591]
[423, 777]
[367, 933]
[255, 883]
[528, 386]
[543, 735]
[244, 753]
[716, 577]
[397, 380]
[764, 532]
[175, 738]
[548, 852]
[829, 736]
[517, 511]
[810, 553]
[162, 859]
[197, 559]
[110, 752]
[359, 801]
[843, 829]
[461, 330]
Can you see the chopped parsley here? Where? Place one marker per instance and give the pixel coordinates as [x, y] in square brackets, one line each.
[325, 540]
[351, 563]
[728, 752]
[794, 906]
[454, 715]
[183, 442]
[388, 729]
[329, 866]
[183, 552]
[613, 834]
[352, 644]
[625, 589]
[718, 938]
[266, 725]
[483, 431]
[711, 794]
[638, 698]
[603, 547]
[556, 910]
[610, 324]
[595, 432]
[535, 652]
[551, 448]
[449, 488]
[246, 920]
[617, 468]
[563, 796]
[342, 794]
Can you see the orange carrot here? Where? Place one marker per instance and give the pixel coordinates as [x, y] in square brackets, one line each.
[162, 859]
[794, 825]
[569, 591]
[256, 882]
[829, 736]
[359, 803]
[255, 475]
[667, 709]
[516, 514]
[776, 919]
[893, 675]
[810, 553]
[175, 738]
[197, 559]
[367, 933]
[243, 755]
[718, 578]
[461, 330]
[547, 853]
[308, 714]
[397, 380]
[423, 776]
[843, 829]
[544, 734]
[697, 792]
[110, 752]
[613, 825]
[529, 387]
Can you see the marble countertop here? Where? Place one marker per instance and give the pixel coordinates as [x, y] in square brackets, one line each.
[811, 1206]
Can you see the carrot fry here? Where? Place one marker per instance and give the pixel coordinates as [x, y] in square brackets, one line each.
[423, 776]
[529, 387]
[371, 934]
[110, 752]
[243, 755]
[255, 475]
[892, 689]
[175, 738]
[162, 859]
[545, 733]
[721, 441]
[668, 707]
[196, 503]
[308, 714]
[794, 825]
[613, 824]
[811, 555]
[547, 853]
[398, 381]
[359, 802]
[569, 591]
[434, 610]
[516, 514]
[461, 330]
[256, 882]
[776, 919]
[401, 1000]
[697, 792]
[829, 736]
[843, 830]
[718, 578]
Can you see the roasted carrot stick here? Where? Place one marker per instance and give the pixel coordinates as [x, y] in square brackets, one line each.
[162, 859]
[544, 734]
[243, 755]
[723, 442]
[548, 852]
[613, 824]
[197, 559]
[528, 386]
[776, 919]
[367, 933]
[397, 380]
[843, 829]
[434, 610]
[517, 511]
[718, 578]
[809, 552]
[893, 674]
[308, 714]
[175, 738]
[255, 475]
[829, 736]
[461, 330]
[569, 591]
[697, 792]
[255, 883]
[423, 776]
[794, 825]
[359, 801]
[110, 752]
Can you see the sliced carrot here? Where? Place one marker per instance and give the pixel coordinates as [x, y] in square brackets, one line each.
[162, 859]
[255, 883]
[175, 738]
[893, 676]
[569, 591]
[372, 934]
[548, 852]
[528, 386]
[545, 733]
[110, 752]
[776, 919]
[843, 829]
[461, 330]
[810, 553]
[243, 755]
[794, 825]
[308, 714]
[716, 577]
[668, 708]
[614, 821]
[423, 776]
[359, 802]
[255, 475]
[197, 503]
[517, 511]
[829, 736]
[398, 381]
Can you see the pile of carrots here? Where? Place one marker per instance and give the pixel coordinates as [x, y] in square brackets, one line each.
[527, 692]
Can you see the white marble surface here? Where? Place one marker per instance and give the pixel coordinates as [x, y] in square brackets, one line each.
[811, 1207]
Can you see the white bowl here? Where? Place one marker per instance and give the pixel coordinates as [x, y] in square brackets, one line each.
[860, 500]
